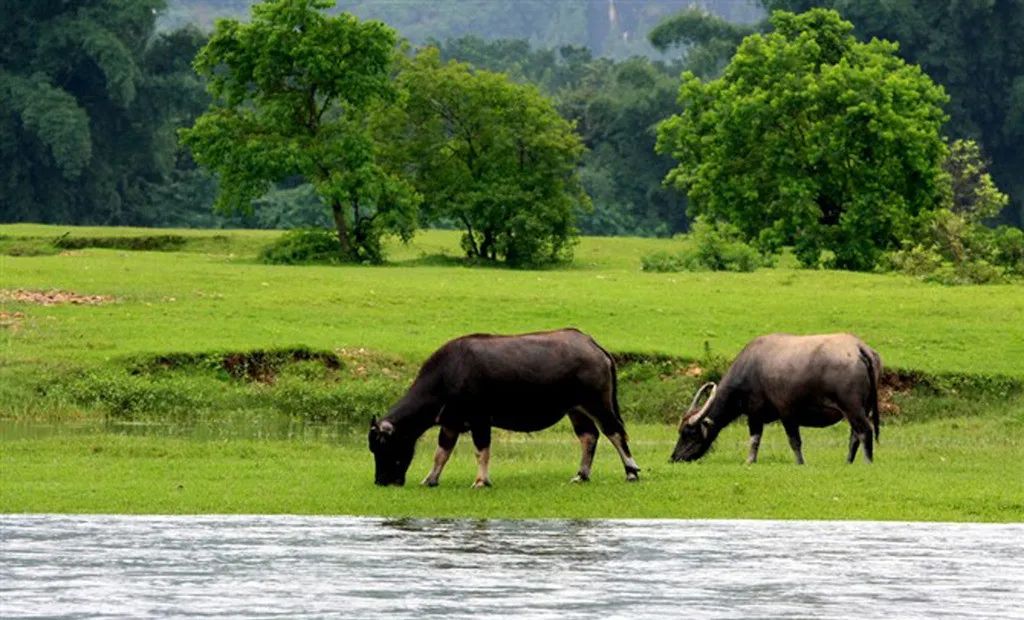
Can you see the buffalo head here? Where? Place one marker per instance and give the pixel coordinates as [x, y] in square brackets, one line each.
[392, 453]
[696, 431]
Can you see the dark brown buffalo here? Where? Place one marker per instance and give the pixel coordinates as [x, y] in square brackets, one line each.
[520, 383]
[799, 380]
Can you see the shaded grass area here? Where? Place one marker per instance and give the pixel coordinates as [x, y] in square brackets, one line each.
[928, 471]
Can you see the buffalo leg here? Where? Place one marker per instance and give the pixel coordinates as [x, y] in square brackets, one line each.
[446, 440]
[756, 427]
[611, 425]
[618, 440]
[854, 444]
[482, 443]
[586, 432]
[793, 432]
[860, 427]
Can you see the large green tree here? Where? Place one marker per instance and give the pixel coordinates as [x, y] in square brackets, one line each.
[89, 96]
[975, 50]
[295, 94]
[491, 156]
[814, 139]
[615, 107]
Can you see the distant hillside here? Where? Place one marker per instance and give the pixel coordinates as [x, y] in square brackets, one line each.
[616, 28]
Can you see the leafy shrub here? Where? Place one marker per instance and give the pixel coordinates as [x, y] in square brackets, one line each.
[303, 246]
[930, 266]
[1008, 248]
[916, 260]
[952, 245]
[713, 246]
[663, 262]
[953, 250]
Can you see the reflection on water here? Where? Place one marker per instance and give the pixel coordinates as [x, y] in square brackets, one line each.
[286, 566]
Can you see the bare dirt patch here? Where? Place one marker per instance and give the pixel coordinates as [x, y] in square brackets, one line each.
[53, 297]
[363, 362]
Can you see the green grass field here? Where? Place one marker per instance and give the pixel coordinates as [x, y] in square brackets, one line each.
[70, 383]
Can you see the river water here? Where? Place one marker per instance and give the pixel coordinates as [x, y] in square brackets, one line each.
[70, 566]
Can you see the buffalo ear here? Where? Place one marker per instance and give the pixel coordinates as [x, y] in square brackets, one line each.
[373, 422]
[705, 427]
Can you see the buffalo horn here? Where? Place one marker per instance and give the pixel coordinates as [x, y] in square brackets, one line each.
[700, 393]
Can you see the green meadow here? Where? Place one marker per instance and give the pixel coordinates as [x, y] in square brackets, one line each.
[205, 381]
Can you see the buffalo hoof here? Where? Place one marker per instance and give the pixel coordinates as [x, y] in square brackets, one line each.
[427, 482]
[633, 476]
[580, 478]
[479, 484]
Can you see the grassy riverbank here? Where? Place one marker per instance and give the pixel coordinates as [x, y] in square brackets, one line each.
[957, 469]
[257, 381]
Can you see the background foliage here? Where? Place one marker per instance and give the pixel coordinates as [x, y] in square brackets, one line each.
[90, 97]
[108, 83]
[811, 139]
[490, 155]
[293, 92]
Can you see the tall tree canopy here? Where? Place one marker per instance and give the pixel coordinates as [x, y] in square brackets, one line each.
[294, 92]
[812, 138]
[708, 41]
[89, 97]
[615, 107]
[492, 156]
[975, 50]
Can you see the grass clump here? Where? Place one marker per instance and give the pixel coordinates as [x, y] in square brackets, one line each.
[26, 246]
[143, 243]
[303, 246]
[711, 246]
[262, 365]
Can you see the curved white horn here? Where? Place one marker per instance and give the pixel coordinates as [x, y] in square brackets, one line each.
[700, 393]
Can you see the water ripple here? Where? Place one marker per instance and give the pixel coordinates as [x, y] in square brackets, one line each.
[70, 566]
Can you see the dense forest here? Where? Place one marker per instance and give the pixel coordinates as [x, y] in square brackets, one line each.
[93, 93]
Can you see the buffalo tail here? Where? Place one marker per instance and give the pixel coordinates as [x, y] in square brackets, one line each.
[868, 357]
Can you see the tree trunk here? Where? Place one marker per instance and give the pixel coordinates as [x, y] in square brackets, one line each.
[487, 246]
[473, 249]
[342, 226]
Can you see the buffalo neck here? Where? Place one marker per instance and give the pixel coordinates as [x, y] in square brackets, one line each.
[416, 412]
[723, 409]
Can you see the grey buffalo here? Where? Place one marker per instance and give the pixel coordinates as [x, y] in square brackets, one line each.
[526, 382]
[799, 380]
